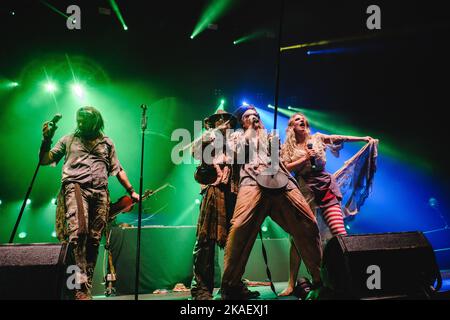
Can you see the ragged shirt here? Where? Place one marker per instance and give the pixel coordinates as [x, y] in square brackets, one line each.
[227, 172]
[256, 155]
[86, 166]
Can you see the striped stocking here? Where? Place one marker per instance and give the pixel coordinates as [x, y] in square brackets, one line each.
[334, 219]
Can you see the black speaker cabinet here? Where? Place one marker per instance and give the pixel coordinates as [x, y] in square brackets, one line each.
[33, 271]
[380, 266]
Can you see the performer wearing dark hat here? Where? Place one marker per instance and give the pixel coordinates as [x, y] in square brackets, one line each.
[263, 193]
[219, 188]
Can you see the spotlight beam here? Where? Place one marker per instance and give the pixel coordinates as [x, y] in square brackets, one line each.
[52, 91]
[212, 12]
[249, 37]
[54, 9]
[221, 105]
[398, 32]
[335, 124]
[116, 10]
[326, 42]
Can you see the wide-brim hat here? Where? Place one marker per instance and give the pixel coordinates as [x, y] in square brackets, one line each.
[221, 115]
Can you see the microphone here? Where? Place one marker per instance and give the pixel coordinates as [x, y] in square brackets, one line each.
[254, 119]
[312, 159]
[55, 119]
[48, 135]
[144, 117]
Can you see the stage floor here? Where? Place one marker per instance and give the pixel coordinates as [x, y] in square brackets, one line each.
[265, 291]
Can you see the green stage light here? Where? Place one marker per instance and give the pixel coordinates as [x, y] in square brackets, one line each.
[264, 228]
[50, 87]
[28, 201]
[221, 106]
[197, 201]
[6, 84]
[251, 36]
[55, 9]
[78, 90]
[116, 10]
[336, 124]
[53, 201]
[54, 234]
[1, 202]
[22, 235]
[212, 12]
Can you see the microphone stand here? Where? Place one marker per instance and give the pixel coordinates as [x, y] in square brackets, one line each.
[277, 67]
[275, 115]
[445, 227]
[138, 245]
[24, 203]
[30, 187]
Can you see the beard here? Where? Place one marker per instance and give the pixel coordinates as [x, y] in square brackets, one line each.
[87, 134]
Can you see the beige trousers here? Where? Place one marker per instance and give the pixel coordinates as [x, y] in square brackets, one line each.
[289, 209]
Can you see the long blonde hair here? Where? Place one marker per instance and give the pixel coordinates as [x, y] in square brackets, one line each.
[289, 146]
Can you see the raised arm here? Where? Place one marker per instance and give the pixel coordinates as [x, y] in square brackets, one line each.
[47, 156]
[200, 143]
[332, 139]
[44, 155]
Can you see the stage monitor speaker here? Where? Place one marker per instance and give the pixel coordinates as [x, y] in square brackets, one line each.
[33, 271]
[380, 266]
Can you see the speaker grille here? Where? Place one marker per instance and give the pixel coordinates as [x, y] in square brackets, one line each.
[37, 255]
[405, 262]
[387, 241]
[32, 271]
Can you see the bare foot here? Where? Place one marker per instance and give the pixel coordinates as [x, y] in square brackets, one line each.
[286, 292]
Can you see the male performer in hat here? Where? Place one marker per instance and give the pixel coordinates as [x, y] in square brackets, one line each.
[218, 180]
[83, 203]
[256, 200]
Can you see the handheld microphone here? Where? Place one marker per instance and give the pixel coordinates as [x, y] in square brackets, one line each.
[144, 117]
[254, 119]
[55, 119]
[312, 160]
